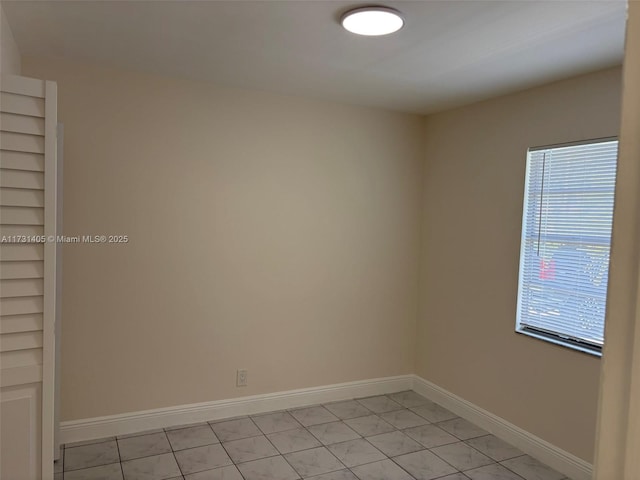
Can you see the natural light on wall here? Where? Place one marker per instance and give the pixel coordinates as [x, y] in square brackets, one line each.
[566, 237]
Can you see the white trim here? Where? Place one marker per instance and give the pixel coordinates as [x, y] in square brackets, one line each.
[49, 297]
[564, 462]
[100, 427]
[57, 331]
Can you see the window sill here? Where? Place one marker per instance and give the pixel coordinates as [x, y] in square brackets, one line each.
[559, 341]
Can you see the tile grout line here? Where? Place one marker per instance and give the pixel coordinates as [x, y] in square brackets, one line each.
[281, 454]
[227, 452]
[173, 452]
[515, 473]
[119, 458]
[177, 463]
[300, 427]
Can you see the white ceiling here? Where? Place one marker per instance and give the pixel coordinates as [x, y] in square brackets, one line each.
[449, 53]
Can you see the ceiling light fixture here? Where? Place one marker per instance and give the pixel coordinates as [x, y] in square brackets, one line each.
[372, 21]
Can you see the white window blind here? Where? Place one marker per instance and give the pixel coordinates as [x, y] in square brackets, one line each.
[566, 237]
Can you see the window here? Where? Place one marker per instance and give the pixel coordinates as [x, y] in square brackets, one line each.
[566, 237]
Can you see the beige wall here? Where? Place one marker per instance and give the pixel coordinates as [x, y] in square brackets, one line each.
[9, 53]
[282, 235]
[266, 232]
[474, 183]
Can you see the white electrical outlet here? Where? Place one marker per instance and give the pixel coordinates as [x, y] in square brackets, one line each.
[241, 378]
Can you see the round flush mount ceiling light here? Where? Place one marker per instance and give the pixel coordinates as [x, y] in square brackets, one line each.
[372, 21]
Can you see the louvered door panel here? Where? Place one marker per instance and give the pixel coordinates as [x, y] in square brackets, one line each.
[21, 230]
[11, 162]
[16, 252]
[23, 269]
[22, 104]
[31, 357]
[22, 124]
[22, 197]
[21, 323]
[23, 215]
[20, 142]
[27, 287]
[27, 272]
[21, 305]
[20, 341]
[15, 178]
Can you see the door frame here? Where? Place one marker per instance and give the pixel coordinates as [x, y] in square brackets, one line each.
[49, 310]
[618, 430]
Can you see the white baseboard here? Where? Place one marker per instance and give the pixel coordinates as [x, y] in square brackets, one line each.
[562, 461]
[122, 424]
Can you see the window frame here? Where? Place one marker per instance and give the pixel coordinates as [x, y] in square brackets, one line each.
[556, 338]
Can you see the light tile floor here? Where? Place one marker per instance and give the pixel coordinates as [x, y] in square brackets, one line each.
[401, 436]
